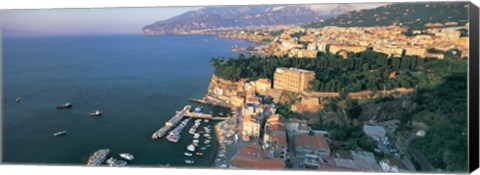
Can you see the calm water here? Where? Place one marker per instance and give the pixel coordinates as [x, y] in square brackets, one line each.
[137, 81]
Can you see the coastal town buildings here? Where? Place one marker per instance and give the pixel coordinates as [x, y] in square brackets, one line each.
[251, 127]
[275, 136]
[292, 79]
[251, 156]
[311, 144]
[295, 125]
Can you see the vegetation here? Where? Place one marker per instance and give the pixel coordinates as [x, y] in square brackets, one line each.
[444, 109]
[412, 15]
[368, 70]
[352, 135]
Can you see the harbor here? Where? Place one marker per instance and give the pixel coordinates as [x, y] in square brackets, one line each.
[178, 117]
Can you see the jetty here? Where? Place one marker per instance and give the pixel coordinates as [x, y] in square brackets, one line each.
[175, 120]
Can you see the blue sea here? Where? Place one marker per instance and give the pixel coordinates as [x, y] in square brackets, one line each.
[137, 81]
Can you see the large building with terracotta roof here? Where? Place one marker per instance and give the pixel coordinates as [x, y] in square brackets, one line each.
[292, 79]
[315, 144]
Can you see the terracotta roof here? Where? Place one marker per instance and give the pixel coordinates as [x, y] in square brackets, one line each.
[249, 157]
[264, 81]
[316, 141]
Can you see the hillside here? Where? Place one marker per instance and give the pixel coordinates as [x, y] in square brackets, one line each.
[245, 16]
[412, 15]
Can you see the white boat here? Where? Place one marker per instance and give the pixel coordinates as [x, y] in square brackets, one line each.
[196, 141]
[191, 147]
[198, 109]
[96, 113]
[206, 135]
[188, 154]
[189, 161]
[60, 133]
[206, 141]
[18, 99]
[127, 156]
[205, 120]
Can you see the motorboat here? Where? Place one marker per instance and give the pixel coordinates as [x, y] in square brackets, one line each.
[199, 154]
[191, 147]
[187, 154]
[96, 113]
[59, 133]
[189, 161]
[65, 106]
[127, 156]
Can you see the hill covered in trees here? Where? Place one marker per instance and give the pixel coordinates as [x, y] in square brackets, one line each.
[367, 70]
[412, 15]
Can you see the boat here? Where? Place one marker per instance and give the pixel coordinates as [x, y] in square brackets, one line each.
[120, 163]
[111, 161]
[221, 113]
[206, 120]
[96, 113]
[198, 109]
[191, 147]
[187, 154]
[127, 156]
[203, 148]
[206, 141]
[206, 135]
[196, 141]
[65, 106]
[60, 133]
[173, 138]
[196, 136]
[189, 161]
[18, 99]
[199, 154]
[208, 145]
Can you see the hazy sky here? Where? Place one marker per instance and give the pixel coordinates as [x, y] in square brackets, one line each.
[84, 21]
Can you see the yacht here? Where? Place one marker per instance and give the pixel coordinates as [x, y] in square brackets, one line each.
[189, 161]
[65, 106]
[127, 156]
[191, 147]
[96, 113]
[187, 154]
[60, 133]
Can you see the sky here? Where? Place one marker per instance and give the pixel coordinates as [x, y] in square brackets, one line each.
[84, 21]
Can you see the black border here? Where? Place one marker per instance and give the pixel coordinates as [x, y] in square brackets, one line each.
[473, 148]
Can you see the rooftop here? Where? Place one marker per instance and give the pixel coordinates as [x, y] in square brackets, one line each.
[316, 141]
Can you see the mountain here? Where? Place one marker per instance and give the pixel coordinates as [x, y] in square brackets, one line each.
[412, 15]
[244, 16]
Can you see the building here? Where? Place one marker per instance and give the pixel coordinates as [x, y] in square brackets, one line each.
[237, 101]
[251, 127]
[251, 157]
[373, 130]
[311, 144]
[263, 84]
[295, 125]
[275, 136]
[393, 165]
[334, 48]
[292, 79]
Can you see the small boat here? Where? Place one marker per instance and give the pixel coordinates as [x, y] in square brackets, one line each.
[198, 109]
[206, 120]
[199, 154]
[96, 113]
[208, 145]
[187, 154]
[189, 161]
[221, 113]
[127, 156]
[206, 135]
[191, 147]
[121, 163]
[111, 161]
[60, 133]
[203, 148]
[206, 141]
[65, 106]
[196, 141]
[18, 99]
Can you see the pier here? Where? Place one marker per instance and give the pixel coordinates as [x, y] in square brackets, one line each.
[175, 120]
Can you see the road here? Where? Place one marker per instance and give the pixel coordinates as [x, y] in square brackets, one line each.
[412, 145]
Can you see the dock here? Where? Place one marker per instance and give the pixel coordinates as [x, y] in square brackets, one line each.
[175, 120]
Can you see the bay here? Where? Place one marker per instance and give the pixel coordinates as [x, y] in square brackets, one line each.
[137, 81]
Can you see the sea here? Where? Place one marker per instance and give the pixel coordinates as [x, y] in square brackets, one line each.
[137, 81]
